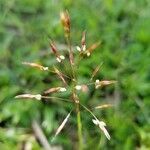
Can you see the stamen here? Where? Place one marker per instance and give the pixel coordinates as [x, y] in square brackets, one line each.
[62, 89]
[78, 87]
[78, 48]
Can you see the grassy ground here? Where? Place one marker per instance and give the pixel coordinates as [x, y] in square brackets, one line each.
[123, 26]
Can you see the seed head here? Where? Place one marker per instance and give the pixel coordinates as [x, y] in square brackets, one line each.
[71, 76]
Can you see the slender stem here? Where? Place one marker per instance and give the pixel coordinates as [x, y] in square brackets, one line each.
[79, 124]
[88, 111]
[79, 127]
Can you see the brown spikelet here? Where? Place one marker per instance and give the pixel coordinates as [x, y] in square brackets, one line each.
[71, 58]
[51, 90]
[106, 82]
[83, 41]
[53, 47]
[103, 83]
[92, 47]
[35, 65]
[95, 71]
[65, 19]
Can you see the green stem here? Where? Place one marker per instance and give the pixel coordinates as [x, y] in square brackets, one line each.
[79, 123]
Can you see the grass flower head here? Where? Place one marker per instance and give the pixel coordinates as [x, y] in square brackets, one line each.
[70, 80]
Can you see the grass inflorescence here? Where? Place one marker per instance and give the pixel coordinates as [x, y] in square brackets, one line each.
[69, 80]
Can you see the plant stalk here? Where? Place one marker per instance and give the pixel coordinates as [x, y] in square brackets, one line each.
[79, 124]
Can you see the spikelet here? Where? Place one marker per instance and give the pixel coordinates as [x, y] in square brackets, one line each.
[83, 41]
[101, 125]
[95, 72]
[30, 96]
[65, 19]
[53, 48]
[59, 57]
[62, 125]
[55, 89]
[35, 65]
[103, 83]
[103, 106]
[91, 48]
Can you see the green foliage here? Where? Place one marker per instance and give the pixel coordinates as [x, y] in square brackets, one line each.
[123, 26]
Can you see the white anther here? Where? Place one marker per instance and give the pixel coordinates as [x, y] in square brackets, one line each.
[97, 81]
[88, 54]
[62, 89]
[38, 97]
[45, 68]
[58, 59]
[78, 87]
[78, 48]
[97, 84]
[62, 57]
[84, 48]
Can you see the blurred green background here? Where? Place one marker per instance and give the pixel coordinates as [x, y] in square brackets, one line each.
[123, 26]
